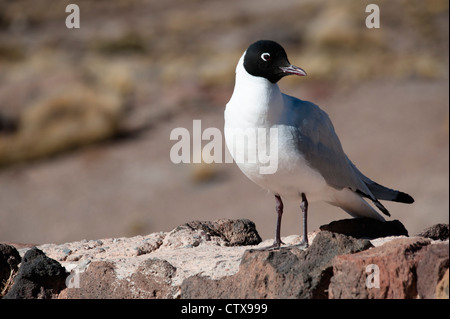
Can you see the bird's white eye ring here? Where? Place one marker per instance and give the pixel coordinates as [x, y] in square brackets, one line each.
[265, 57]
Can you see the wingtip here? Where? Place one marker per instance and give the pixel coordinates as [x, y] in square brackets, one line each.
[404, 198]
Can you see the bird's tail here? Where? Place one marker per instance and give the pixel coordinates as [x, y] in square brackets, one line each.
[381, 192]
[384, 193]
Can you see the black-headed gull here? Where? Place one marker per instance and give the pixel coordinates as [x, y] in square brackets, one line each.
[310, 164]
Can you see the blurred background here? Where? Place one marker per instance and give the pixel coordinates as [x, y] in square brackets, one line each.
[86, 114]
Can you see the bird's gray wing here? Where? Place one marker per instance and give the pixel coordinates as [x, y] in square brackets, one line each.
[317, 141]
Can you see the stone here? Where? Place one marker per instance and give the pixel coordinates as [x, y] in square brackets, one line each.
[150, 244]
[392, 266]
[431, 269]
[222, 232]
[237, 232]
[98, 281]
[9, 262]
[285, 273]
[366, 228]
[102, 280]
[436, 232]
[38, 277]
[442, 287]
[154, 277]
[214, 259]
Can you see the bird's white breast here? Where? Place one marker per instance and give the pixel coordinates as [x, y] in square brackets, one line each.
[257, 104]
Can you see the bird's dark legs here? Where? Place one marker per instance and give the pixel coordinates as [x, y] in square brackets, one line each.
[304, 207]
[279, 208]
[277, 242]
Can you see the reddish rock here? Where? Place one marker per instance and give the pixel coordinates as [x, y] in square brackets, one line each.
[262, 274]
[431, 269]
[96, 282]
[206, 260]
[395, 262]
[442, 287]
[284, 273]
[152, 279]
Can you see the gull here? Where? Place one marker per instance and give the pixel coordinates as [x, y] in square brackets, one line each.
[311, 163]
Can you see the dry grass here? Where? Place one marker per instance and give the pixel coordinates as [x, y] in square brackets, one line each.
[62, 122]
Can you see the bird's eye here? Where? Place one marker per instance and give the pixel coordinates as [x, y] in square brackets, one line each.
[265, 57]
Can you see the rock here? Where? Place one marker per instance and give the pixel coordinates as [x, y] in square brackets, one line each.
[442, 288]
[436, 232]
[155, 265]
[222, 232]
[214, 259]
[392, 266]
[38, 277]
[9, 261]
[98, 281]
[235, 232]
[366, 228]
[262, 274]
[284, 273]
[152, 279]
[431, 269]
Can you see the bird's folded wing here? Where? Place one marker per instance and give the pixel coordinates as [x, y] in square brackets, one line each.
[316, 139]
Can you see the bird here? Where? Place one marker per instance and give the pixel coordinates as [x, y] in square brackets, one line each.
[311, 163]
